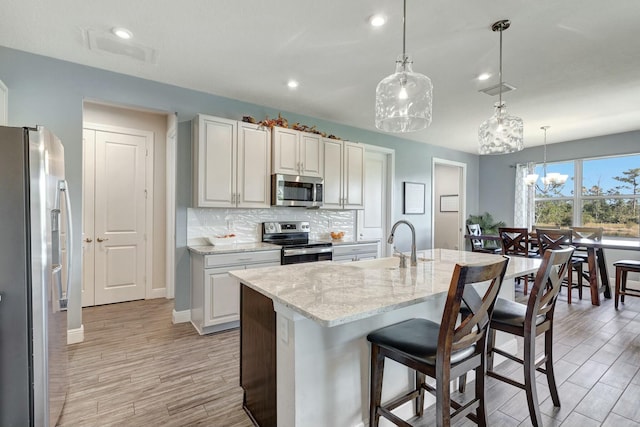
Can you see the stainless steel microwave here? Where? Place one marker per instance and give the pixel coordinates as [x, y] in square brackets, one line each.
[295, 190]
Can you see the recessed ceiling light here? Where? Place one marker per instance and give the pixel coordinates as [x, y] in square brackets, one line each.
[292, 84]
[484, 76]
[377, 20]
[123, 33]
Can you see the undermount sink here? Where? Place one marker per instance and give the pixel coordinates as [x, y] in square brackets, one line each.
[384, 263]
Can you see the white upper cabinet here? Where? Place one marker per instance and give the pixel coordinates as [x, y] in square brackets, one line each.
[343, 174]
[254, 166]
[296, 153]
[231, 163]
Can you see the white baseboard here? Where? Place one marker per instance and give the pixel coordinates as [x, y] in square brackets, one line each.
[182, 316]
[158, 293]
[75, 336]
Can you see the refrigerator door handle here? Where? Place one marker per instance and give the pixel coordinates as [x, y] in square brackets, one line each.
[64, 297]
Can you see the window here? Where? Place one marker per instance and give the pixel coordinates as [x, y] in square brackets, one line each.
[554, 203]
[611, 195]
[605, 192]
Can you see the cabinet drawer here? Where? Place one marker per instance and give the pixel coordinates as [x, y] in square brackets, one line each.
[241, 258]
[341, 250]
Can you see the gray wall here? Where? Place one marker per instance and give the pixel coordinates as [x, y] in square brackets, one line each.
[498, 173]
[50, 92]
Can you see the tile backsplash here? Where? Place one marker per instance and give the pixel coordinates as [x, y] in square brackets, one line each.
[246, 223]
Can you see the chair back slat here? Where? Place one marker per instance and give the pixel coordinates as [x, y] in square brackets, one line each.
[553, 238]
[475, 230]
[544, 293]
[515, 241]
[472, 328]
[593, 233]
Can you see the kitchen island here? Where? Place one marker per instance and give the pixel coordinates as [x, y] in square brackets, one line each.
[304, 353]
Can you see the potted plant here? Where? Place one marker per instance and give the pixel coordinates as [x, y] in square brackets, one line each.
[487, 225]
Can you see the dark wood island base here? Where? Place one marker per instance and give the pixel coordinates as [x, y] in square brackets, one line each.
[258, 357]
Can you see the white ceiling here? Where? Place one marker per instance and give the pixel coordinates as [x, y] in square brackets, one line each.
[575, 63]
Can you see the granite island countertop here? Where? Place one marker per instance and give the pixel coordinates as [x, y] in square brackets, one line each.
[332, 294]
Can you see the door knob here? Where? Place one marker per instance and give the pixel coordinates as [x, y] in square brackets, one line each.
[88, 240]
[100, 239]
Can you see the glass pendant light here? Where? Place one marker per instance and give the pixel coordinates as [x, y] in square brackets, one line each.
[549, 180]
[403, 99]
[501, 133]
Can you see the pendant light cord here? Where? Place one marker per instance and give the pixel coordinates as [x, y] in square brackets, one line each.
[404, 31]
[544, 164]
[500, 71]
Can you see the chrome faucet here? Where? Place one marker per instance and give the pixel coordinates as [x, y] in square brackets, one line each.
[414, 257]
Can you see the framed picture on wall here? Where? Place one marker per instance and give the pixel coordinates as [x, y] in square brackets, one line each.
[449, 203]
[413, 198]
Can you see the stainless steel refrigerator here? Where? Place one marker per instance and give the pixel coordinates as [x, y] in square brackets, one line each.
[33, 323]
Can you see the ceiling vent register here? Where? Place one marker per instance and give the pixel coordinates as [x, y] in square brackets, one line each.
[100, 41]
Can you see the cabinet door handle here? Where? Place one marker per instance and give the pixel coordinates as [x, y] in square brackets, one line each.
[100, 239]
[88, 240]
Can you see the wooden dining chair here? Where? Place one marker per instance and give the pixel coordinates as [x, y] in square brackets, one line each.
[442, 351]
[477, 245]
[555, 238]
[515, 242]
[529, 321]
[592, 233]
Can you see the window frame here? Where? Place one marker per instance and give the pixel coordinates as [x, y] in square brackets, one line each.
[578, 198]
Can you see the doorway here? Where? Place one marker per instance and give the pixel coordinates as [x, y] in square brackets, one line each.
[374, 221]
[125, 209]
[448, 205]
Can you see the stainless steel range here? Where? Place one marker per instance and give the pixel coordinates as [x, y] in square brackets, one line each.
[293, 236]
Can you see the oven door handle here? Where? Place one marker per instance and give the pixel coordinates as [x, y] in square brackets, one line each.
[306, 251]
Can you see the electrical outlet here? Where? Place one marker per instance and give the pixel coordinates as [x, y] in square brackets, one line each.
[284, 330]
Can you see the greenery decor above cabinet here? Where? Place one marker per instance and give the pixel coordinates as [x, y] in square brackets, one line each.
[296, 153]
[343, 174]
[231, 163]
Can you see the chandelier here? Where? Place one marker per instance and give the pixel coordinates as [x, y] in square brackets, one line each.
[549, 180]
[403, 99]
[501, 133]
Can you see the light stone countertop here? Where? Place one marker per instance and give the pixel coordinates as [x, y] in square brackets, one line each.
[234, 247]
[332, 294]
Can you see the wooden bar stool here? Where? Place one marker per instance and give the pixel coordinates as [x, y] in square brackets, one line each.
[529, 321]
[622, 268]
[443, 351]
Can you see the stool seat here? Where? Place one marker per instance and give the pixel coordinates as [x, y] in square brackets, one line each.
[622, 268]
[630, 264]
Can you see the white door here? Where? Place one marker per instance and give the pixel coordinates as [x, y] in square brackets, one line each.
[373, 220]
[448, 204]
[119, 218]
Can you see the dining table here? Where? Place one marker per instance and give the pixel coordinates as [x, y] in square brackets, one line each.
[596, 261]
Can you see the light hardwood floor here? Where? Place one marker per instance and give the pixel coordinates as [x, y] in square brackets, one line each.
[137, 369]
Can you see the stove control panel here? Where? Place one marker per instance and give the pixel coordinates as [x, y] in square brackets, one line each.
[286, 227]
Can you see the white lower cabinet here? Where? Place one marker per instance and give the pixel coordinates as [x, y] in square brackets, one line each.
[355, 252]
[215, 295]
